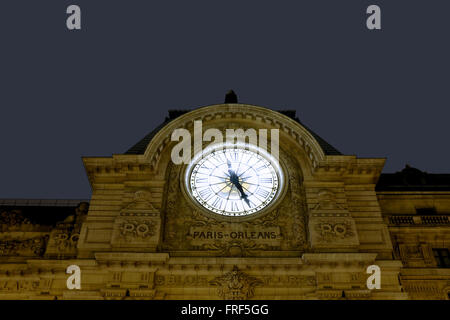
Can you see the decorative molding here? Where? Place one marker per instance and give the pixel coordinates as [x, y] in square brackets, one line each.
[237, 248]
[140, 205]
[414, 220]
[327, 201]
[424, 289]
[236, 285]
[25, 285]
[238, 113]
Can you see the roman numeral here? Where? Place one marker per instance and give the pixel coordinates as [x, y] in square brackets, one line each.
[204, 166]
[205, 193]
[261, 167]
[234, 206]
[201, 180]
[266, 180]
[217, 202]
[262, 193]
[217, 160]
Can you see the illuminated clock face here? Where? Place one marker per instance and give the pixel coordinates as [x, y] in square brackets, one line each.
[234, 181]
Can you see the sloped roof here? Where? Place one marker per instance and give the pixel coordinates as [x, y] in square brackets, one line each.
[141, 145]
[412, 179]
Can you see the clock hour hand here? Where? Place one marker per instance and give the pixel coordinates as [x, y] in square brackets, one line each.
[235, 181]
[243, 195]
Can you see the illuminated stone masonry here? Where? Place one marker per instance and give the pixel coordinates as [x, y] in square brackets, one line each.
[143, 235]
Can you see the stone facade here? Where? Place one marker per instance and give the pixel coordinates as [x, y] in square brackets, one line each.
[141, 237]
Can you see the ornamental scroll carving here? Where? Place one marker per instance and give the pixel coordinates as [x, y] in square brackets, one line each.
[189, 228]
[236, 248]
[294, 218]
[236, 285]
[29, 247]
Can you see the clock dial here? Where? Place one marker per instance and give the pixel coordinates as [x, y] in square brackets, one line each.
[234, 181]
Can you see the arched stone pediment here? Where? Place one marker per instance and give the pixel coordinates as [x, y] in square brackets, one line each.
[237, 114]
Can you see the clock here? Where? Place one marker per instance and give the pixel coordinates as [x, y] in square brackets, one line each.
[234, 180]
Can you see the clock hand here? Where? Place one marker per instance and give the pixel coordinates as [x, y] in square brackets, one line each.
[235, 180]
[243, 195]
[230, 171]
[241, 190]
[229, 168]
[233, 175]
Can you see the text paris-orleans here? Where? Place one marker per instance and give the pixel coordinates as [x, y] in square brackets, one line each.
[234, 235]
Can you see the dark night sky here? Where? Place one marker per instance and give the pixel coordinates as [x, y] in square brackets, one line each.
[96, 92]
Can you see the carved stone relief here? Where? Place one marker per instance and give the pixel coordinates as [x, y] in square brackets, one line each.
[138, 224]
[328, 231]
[132, 229]
[415, 255]
[29, 247]
[327, 201]
[14, 221]
[63, 242]
[333, 231]
[330, 224]
[236, 285]
[64, 237]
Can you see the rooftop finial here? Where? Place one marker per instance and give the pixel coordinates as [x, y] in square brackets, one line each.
[231, 97]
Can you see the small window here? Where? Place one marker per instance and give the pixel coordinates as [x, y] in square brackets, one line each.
[426, 211]
[442, 257]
